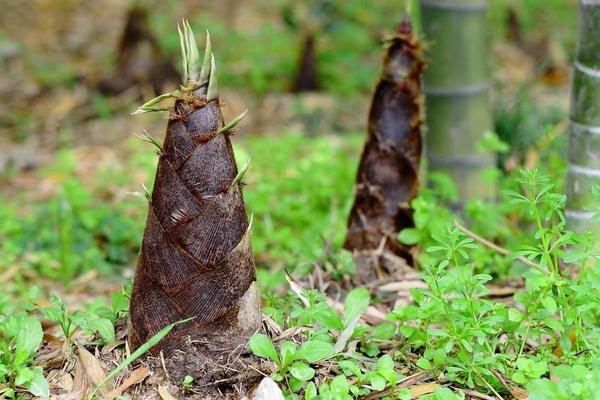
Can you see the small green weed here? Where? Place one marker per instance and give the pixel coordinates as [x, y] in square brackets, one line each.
[20, 338]
[186, 384]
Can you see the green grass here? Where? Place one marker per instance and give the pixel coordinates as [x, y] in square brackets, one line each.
[299, 190]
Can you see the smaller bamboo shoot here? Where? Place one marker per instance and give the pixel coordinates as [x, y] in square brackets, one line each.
[387, 178]
[307, 75]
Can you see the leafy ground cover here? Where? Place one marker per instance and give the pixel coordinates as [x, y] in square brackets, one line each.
[505, 304]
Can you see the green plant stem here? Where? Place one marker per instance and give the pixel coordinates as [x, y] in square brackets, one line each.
[545, 245]
[495, 247]
[452, 327]
[524, 340]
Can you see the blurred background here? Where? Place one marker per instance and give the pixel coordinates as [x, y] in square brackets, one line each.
[72, 72]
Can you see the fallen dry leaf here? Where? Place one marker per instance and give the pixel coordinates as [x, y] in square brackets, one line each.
[136, 377]
[423, 388]
[65, 382]
[501, 291]
[403, 383]
[296, 288]
[345, 335]
[403, 286]
[92, 367]
[517, 392]
[111, 346]
[472, 393]
[9, 273]
[75, 395]
[164, 393]
[81, 381]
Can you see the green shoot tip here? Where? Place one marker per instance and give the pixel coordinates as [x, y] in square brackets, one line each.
[213, 88]
[205, 70]
[149, 106]
[240, 175]
[232, 124]
[148, 138]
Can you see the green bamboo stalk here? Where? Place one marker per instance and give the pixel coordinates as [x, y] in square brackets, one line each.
[584, 137]
[456, 89]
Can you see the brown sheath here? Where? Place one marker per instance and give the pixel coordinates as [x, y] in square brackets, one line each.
[387, 178]
[196, 259]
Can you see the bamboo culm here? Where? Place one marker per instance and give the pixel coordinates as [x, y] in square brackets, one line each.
[584, 132]
[456, 90]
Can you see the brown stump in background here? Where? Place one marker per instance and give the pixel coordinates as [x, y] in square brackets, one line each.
[139, 59]
[196, 259]
[307, 76]
[387, 178]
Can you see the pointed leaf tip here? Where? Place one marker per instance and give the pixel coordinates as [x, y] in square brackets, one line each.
[233, 123]
[147, 193]
[148, 138]
[193, 54]
[240, 174]
[186, 52]
[213, 88]
[150, 105]
[182, 44]
[205, 70]
[250, 222]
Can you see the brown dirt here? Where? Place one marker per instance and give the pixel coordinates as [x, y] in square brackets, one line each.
[74, 371]
[227, 376]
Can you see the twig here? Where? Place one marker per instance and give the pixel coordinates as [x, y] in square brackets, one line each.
[495, 247]
[501, 291]
[487, 384]
[257, 370]
[406, 382]
[517, 392]
[473, 393]
[162, 361]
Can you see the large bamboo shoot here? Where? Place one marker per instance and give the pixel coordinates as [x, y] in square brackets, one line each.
[196, 260]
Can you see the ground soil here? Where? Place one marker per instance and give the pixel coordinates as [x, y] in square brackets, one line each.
[227, 376]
